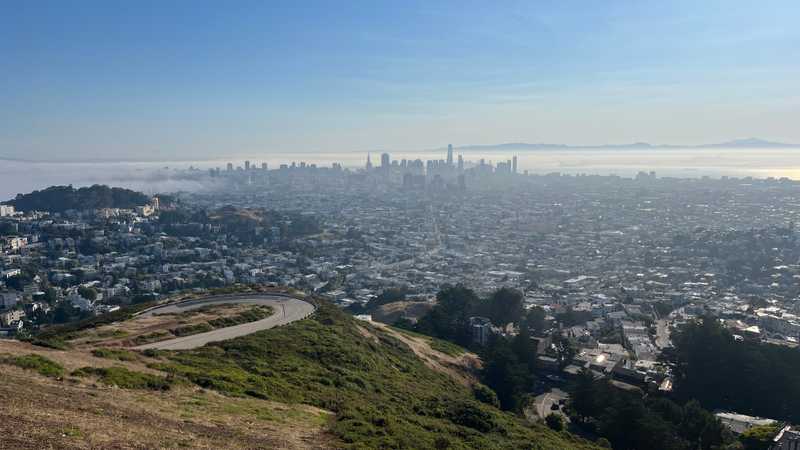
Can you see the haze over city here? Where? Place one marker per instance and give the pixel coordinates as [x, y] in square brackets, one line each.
[551, 225]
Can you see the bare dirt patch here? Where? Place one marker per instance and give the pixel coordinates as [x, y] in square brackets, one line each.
[462, 368]
[391, 312]
[367, 334]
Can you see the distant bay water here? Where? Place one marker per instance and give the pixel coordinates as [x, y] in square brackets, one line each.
[165, 176]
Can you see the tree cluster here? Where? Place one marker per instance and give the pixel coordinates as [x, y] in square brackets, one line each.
[509, 363]
[248, 226]
[449, 320]
[631, 422]
[63, 198]
[747, 377]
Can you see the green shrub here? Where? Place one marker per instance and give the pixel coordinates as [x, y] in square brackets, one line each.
[150, 337]
[189, 330]
[554, 421]
[152, 353]
[759, 437]
[38, 363]
[250, 315]
[486, 395]
[111, 334]
[124, 378]
[115, 353]
[469, 414]
[603, 442]
[447, 348]
[54, 343]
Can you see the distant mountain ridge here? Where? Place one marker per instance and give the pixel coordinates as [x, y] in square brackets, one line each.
[754, 143]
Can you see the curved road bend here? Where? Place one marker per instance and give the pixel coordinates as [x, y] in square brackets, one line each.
[286, 310]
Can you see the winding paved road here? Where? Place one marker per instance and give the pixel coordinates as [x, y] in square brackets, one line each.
[286, 310]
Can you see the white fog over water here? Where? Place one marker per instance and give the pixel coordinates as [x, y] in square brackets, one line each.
[150, 177]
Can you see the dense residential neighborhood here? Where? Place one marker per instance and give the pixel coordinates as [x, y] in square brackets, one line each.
[614, 264]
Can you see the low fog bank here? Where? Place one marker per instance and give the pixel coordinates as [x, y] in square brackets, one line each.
[150, 178]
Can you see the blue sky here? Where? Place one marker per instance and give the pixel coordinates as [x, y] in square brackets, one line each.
[190, 79]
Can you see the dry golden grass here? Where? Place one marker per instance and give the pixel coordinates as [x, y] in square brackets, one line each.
[81, 413]
[123, 334]
[41, 413]
[70, 359]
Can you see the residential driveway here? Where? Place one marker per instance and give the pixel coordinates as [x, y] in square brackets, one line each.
[542, 403]
[285, 310]
[662, 334]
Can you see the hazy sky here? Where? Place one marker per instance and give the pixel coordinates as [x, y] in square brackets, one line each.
[195, 79]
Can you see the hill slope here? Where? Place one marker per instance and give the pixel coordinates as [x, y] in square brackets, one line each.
[324, 382]
[87, 413]
[382, 394]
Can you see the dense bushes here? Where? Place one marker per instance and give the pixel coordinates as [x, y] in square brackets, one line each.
[483, 394]
[554, 421]
[759, 437]
[38, 363]
[251, 315]
[124, 378]
[188, 330]
[120, 354]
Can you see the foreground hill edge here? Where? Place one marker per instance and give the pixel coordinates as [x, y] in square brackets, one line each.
[379, 393]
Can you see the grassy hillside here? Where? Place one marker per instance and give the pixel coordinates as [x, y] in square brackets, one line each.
[383, 396]
[40, 411]
[326, 382]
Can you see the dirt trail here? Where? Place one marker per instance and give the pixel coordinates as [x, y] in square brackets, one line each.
[462, 368]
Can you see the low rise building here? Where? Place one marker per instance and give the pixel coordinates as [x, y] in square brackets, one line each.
[9, 299]
[787, 439]
[481, 328]
[739, 423]
[11, 317]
